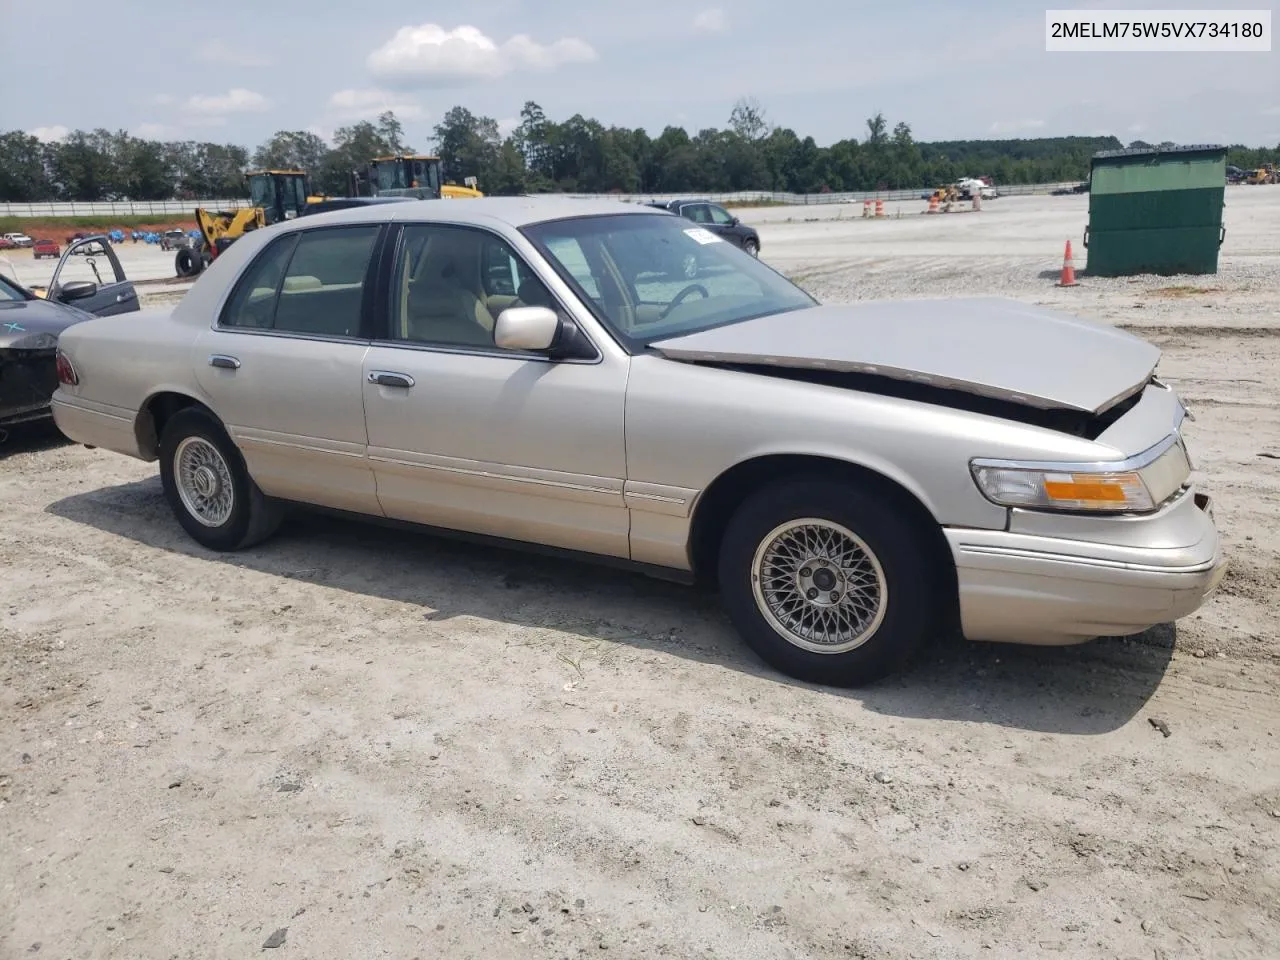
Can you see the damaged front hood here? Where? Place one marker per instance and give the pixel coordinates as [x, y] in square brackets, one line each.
[994, 348]
[35, 324]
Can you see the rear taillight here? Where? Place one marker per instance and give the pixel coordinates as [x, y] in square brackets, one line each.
[67, 375]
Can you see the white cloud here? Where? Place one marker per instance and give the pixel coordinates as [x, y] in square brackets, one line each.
[164, 99]
[429, 55]
[367, 104]
[1271, 112]
[711, 21]
[236, 100]
[223, 54]
[50, 134]
[1015, 126]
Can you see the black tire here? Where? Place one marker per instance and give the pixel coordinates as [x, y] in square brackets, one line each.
[906, 609]
[187, 263]
[252, 516]
[752, 247]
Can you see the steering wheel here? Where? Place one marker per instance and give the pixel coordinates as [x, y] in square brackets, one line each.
[679, 297]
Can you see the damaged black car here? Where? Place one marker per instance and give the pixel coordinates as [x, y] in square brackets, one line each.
[30, 322]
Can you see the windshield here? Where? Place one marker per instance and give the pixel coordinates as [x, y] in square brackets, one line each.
[650, 277]
[260, 191]
[9, 291]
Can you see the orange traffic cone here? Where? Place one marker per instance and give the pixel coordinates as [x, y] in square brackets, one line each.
[1068, 269]
[879, 208]
[933, 204]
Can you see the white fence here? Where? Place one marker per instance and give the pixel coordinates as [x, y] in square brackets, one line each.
[169, 208]
[123, 208]
[801, 199]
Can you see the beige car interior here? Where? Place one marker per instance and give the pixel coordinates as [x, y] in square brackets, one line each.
[446, 287]
[321, 293]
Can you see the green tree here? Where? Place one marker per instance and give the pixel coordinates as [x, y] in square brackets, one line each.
[292, 150]
[23, 175]
[468, 145]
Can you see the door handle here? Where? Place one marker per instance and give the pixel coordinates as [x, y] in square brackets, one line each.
[224, 362]
[388, 378]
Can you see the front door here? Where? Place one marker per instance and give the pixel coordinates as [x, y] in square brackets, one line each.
[467, 436]
[115, 293]
[724, 224]
[283, 367]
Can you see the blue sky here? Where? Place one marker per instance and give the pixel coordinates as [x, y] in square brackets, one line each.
[238, 70]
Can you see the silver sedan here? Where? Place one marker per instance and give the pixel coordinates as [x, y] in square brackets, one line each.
[545, 371]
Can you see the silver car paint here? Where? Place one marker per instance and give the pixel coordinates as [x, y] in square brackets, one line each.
[994, 348]
[559, 475]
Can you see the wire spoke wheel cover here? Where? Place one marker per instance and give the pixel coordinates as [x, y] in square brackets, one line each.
[204, 481]
[819, 585]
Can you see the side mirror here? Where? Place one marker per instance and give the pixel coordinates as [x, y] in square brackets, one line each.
[734, 221]
[526, 328]
[77, 290]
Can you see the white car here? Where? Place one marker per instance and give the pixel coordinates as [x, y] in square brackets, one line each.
[19, 239]
[968, 186]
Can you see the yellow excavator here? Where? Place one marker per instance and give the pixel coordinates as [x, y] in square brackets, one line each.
[274, 195]
[1267, 173]
[277, 195]
[412, 175]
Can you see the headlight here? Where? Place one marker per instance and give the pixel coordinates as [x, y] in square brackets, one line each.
[1137, 485]
[1057, 490]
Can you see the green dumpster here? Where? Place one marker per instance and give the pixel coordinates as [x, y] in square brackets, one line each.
[1155, 210]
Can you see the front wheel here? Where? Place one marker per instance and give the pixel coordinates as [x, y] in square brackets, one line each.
[827, 583]
[752, 247]
[208, 487]
[188, 263]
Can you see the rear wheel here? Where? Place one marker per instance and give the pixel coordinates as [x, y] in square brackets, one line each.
[208, 487]
[827, 583]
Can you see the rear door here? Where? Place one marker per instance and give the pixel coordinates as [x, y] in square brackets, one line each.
[283, 364]
[115, 294]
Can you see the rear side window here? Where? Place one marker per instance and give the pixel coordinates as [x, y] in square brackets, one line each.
[309, 283]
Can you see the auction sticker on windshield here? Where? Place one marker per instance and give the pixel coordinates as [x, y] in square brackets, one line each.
[702, 235]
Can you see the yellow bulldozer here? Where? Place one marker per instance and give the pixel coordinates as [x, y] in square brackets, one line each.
[274, 195]
[412, 175]
[1266, 173]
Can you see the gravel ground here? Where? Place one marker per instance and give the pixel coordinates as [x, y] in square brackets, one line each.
[353, 742]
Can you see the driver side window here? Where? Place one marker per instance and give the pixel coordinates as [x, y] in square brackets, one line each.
[451, 283]
[720, 215]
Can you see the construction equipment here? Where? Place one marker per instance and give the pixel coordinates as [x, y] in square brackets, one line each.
[274, 196]
[1264, 174]
[410, 175]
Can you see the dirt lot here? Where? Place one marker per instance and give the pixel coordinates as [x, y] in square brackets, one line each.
[388, 745]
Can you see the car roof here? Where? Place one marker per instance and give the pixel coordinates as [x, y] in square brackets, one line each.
[480, 211]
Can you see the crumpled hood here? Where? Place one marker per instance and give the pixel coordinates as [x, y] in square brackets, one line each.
[35, 324]
[996, 348]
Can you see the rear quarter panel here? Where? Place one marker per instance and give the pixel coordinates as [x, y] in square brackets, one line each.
[123, 360]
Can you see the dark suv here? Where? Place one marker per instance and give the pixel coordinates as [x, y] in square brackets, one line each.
[716, 219]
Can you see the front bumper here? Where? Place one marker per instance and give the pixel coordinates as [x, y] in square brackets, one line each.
[1051, 589]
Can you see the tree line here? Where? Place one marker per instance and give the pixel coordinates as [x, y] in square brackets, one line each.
[542, 155]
